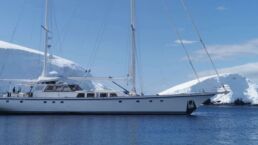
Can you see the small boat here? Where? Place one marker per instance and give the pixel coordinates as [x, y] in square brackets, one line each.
[58, 95]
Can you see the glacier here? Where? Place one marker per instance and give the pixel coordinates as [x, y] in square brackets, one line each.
[19, 62]
[239, 87]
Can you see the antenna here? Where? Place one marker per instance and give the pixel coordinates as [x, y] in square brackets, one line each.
[46, 46]
[133, 53]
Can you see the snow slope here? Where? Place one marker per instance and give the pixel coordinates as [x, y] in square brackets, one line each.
[239, 86]
[18, 62]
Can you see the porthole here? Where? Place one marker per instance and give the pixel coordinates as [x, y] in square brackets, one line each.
[7, 101]
[161, 100]
[21, 101]
[45, 101]
[137, 101]
[120, 101]
[53, 101]
[150, 101]
[61, 101]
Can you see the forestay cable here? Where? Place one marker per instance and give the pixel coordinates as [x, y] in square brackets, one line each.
[55, 24]
[13, 34]
[187, 53]
[67, 27]
[201, 40]
[99, 38]
[139, 69]
[183, 45]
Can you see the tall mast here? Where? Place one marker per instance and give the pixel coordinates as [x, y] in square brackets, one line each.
[45, 27]
[133, 51]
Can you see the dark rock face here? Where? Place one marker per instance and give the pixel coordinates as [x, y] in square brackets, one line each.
[239, 102]
[207, 102]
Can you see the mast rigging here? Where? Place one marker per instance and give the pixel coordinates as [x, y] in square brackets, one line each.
[46, 46]
[133, 50]
[201, 41]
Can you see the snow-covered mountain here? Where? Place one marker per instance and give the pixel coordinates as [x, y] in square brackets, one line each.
[18, 62]
[240, 87]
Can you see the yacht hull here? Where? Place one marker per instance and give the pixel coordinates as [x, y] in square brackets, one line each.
[155, 104]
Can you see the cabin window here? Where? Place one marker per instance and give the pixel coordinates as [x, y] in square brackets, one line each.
[49, 82]
[113, 95]
[75, 87]
[90, 95]
[59, 88]
[38, 88]
[49, 89]
[67, 89]
[80, 95]
[30, 94]
[103, 94]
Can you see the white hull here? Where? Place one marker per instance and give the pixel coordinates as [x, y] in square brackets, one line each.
[170, 104]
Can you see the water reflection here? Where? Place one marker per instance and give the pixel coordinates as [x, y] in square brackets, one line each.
[220, 125]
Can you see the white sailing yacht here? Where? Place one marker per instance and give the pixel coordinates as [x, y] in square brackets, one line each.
[57, 95]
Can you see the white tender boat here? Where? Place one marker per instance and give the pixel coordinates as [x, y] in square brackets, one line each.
[54, 95]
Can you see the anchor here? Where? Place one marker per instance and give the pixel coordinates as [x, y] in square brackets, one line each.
[190, 107]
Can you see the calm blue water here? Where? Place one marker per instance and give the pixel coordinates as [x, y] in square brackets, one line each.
[210, 125]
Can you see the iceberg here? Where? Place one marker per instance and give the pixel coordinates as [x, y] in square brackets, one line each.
[240, 88]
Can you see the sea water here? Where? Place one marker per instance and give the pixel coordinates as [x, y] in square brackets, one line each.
[209, 125]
